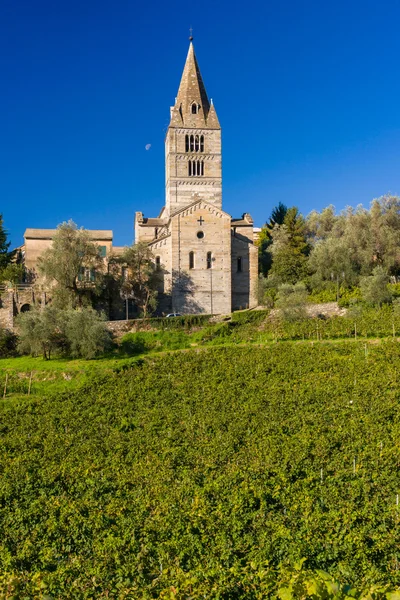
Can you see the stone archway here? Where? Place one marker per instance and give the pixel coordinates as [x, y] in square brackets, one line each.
[25, 308]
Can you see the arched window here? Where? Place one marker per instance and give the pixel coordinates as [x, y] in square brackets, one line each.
[191, 260]
[186, 143]
[209, 260]
[194, 108]
[190, 168]
[202, 168]
[196, 143]
[158, 263]
[239, 264]
[192, 143]
[202, 143]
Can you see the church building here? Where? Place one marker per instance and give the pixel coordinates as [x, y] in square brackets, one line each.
[207, 259]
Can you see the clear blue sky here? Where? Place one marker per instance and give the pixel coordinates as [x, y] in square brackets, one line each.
[307, 94]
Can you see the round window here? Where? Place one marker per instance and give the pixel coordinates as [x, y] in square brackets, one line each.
[200, 235]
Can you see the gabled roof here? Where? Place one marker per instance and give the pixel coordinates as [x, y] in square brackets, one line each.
[200, 201]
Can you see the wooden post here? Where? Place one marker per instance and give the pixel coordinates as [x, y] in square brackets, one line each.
[30, 384]
[5, 386]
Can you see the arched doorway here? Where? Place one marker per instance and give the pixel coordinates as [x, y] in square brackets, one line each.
[25, 308]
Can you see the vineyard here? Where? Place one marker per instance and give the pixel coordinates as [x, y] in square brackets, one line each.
[232, 472]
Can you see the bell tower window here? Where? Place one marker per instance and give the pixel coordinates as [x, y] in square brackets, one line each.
[186, 143]
[191, 260]
[195, 108]
[202, 143]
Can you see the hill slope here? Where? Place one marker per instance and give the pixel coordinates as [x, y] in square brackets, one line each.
[204, 470]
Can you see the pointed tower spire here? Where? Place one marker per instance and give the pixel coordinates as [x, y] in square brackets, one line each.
[192, 106]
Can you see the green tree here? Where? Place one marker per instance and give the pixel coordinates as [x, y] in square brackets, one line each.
[330, 261]
[289, 248]
[265, 238]
[291, 301]
[374, 289]
[79, 333]
[73, 266]
[141, 277]
[5, 255]
[86, 333]
[12, 273]
[42, 331]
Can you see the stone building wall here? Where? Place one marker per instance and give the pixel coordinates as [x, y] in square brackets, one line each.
[180, 187]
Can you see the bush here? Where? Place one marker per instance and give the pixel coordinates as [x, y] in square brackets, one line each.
[87, 334]
[292, 301]
[374, 289]
[8, 343]
[78, 333]
[42, 331]
[349, 296]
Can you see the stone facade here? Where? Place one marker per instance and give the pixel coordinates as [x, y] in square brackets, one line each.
[208, 260]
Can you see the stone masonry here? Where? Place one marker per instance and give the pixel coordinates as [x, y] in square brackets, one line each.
[207, 260]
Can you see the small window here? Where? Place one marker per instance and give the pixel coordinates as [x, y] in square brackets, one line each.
[209, 260]
[239, 264]
[186, 143]
[196, 143]
[191, 260]
[195, 108]
[201, 168]
[190, 168]
[192, 143]
[158, 263]
[200, 235]
[102, 251]
[202, 143]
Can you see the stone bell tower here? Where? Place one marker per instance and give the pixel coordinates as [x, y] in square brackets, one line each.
[193, 144]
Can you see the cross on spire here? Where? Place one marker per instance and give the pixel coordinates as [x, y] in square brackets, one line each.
[191, 33]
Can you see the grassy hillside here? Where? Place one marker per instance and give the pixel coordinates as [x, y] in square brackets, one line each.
[204, 473]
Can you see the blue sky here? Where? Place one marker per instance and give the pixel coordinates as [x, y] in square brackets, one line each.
[307, 94]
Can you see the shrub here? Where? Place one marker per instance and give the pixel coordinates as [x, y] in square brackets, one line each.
[374, 289]
[8, 343]
[86, 333]
[42, 331]
[291, 301]
[78, 333]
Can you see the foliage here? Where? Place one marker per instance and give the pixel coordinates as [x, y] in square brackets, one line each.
[12, 273]
[141, 278]
[226, 473]
[291, 301]
[5, 255]
[8, 343]
[74, 267]
[265, 238]
[86, 333]
[41, 331]
[289, 248]
[48, 330]
[266, 291]
[374, 288]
